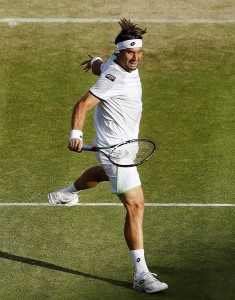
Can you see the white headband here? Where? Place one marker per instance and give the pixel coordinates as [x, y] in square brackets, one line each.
[128, 44]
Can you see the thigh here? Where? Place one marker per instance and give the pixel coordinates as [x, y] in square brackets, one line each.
[121, 179]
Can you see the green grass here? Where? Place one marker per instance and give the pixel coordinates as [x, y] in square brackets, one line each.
[188, 108]
[173, 9]
[80, 253]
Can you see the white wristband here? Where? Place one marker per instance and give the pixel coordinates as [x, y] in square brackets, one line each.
[76, 134]
[94, 59]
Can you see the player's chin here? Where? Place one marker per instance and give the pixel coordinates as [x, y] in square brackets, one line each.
[132, 67]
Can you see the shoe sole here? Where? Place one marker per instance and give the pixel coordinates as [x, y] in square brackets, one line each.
[140, 289]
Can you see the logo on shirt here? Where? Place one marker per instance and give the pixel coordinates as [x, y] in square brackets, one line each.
[110, 77]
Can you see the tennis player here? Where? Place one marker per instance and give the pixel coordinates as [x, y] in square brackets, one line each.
[117, 99]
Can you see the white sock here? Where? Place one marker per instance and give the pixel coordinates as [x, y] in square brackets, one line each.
[69, 189]
[139, 262]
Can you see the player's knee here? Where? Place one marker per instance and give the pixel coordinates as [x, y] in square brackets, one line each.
[104, 176]
[133, 201]
[135, 206]
[135, 210]
[99, 174]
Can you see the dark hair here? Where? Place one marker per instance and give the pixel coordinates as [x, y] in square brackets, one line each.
[129, 31]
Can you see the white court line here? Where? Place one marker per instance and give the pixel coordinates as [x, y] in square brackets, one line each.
[15, 21]
[120, 204]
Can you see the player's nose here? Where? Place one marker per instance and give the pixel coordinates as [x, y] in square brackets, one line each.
[135, 56]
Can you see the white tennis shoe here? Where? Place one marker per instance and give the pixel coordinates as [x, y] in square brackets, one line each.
[60, 198]
[149, 283]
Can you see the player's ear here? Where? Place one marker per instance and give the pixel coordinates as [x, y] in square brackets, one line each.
[119, 54]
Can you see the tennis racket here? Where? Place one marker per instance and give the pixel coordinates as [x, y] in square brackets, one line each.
[126, 154]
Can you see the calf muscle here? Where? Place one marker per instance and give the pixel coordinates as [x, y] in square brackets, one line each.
[90, 178]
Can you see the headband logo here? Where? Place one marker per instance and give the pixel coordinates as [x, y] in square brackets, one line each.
[133, 43]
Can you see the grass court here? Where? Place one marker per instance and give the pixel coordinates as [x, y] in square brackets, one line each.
[187, 74]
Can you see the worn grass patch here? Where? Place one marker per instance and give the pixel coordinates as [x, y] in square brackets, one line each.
[174, 9]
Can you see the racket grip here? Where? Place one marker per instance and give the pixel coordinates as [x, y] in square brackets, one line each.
[88, 148]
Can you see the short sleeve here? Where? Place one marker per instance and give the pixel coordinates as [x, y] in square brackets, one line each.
[108, 85]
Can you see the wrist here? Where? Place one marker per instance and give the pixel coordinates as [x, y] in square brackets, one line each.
[76, 134]
[94, 59]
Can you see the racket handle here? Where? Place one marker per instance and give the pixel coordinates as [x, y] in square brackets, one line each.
[89, 148]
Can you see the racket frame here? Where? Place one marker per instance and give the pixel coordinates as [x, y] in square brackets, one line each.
[113, 147]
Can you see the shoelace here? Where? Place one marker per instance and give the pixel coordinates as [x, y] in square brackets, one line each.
[154, 275]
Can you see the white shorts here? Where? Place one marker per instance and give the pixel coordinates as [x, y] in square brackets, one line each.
[121, 179]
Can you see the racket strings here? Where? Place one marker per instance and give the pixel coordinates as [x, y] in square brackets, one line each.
[144, 150]
[132, 153]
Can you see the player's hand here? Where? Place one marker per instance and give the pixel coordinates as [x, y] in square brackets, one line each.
[75, 145]
[87, 63]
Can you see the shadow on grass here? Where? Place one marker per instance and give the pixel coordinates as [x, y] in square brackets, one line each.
[43, 264]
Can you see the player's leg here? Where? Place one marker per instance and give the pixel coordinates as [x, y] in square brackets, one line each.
[133, 201]
[89, 179]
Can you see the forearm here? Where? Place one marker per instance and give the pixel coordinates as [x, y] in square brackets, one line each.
[96, 67]
[79, 115]
[93, 63]
[80, 110]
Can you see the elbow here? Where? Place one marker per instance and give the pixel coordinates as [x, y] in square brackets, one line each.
[81, 105]
[86, 103]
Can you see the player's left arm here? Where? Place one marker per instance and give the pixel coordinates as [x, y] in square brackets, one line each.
[93, 63]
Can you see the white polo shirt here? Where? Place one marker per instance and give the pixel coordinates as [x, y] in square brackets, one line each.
[117, 116]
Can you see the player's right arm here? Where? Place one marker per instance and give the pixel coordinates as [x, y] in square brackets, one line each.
[80, 110]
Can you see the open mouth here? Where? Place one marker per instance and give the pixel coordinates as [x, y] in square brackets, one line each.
[133, 63]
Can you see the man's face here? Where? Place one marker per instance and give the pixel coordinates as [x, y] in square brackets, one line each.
[129, 58]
